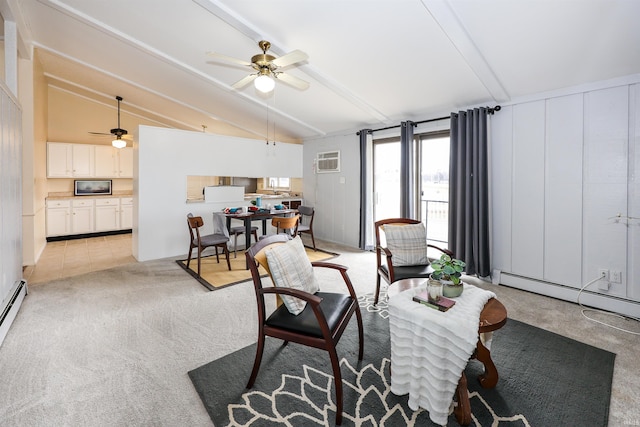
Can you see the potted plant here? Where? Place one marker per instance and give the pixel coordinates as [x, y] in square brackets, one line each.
[448, 270]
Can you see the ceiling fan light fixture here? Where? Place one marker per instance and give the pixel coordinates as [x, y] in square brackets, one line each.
[264, 83]
[119, 143]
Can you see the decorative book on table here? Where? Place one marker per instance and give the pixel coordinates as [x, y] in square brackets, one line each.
[443, 303]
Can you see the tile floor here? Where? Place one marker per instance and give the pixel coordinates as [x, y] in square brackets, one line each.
[72, 257]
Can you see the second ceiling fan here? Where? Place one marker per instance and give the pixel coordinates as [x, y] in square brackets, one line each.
[118, 132]
[267, 66]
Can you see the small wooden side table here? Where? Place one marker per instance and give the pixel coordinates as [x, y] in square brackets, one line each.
[492, 318]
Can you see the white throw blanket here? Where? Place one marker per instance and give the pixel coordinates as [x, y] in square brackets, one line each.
[430, 349]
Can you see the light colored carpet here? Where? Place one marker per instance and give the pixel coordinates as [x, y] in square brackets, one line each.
[113, 348]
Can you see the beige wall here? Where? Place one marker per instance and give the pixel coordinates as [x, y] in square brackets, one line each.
[32, 91]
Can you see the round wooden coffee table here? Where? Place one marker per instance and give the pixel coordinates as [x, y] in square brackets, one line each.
[492, 318]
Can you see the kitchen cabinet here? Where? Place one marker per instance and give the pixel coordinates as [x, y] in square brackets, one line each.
[69, 160]
[104, 161]
[125, 162]
[81, 216]
[82, 156]
[58, 217]
[292, 203]
[126, 213]
[59, 160]
[85, 215]
[113, 162]
[107, 213]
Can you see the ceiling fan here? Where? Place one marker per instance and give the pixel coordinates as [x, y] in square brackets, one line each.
[118, 132]
[266, 66]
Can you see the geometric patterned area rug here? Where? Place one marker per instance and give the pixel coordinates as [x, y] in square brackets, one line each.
[545, 380]
[214, 275]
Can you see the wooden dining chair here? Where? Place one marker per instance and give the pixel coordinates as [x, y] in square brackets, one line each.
[285, 225]
[238, 231]
[307, 214]
[320, 317]
[199, 242]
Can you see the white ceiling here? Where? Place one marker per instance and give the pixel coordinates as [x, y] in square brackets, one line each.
[372, 63]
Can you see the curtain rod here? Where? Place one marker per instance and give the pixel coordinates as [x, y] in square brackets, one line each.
[490, 111]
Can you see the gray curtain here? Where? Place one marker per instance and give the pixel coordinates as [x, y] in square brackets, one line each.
[407, 171]
[364, 193]
[469, 191]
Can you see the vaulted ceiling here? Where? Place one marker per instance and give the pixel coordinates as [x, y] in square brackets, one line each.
[371, 63]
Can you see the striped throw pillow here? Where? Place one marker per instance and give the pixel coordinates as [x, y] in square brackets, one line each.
[407, 243]
[290, 267]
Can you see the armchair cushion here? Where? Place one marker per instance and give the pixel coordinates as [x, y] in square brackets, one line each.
[290, 267]
[333, 306]
[407, 244]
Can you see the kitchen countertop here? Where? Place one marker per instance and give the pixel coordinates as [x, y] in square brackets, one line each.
[69, 195]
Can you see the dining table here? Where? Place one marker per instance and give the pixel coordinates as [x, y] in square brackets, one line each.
[259, 215]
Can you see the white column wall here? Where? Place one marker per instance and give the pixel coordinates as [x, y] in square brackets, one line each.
[163, 158]
[563, 166]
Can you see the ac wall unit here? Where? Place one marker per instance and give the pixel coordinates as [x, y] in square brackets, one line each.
[328, 161]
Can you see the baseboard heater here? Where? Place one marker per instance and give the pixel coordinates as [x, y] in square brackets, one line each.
[10, 310]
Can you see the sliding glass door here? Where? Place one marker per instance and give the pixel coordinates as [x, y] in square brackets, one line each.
[434, 183]
[386, 178]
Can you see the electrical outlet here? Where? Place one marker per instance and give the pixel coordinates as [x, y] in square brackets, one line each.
[603, 283]
[616, 276]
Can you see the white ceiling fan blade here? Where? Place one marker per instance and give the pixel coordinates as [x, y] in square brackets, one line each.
[290, 58]
[244, 81]
[293, 81]
[229, 58]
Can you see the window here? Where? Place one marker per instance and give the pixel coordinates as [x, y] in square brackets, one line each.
[277, 183]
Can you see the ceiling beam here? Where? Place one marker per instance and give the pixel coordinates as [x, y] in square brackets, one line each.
[220, 10]
[443, 13]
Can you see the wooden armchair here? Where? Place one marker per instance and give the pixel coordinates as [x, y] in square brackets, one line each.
[321, 322]
[385, 256]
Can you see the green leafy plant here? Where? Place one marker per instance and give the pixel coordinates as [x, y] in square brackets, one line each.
[447, 268]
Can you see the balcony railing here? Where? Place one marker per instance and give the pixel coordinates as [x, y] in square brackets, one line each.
[435, 214]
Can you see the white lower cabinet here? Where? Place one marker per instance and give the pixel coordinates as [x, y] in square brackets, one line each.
[88, 215]
[58, 217]
[126, 213]
[81, 216]
[107, 214]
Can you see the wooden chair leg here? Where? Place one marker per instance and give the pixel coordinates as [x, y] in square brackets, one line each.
[226, 252]
[360, 333]
[313, 240]
[377, 289]
[189, 256]
[337, 379]
[199, 256]
[257, 361]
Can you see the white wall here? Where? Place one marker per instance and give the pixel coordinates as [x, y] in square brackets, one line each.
[10, 206]
[336, 196]
[163, 158]
[563, 167]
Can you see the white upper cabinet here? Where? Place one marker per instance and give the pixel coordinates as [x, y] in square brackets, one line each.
[82, 160]
[125, 162]
[66, 160]
[105, 161]
[59, 160]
